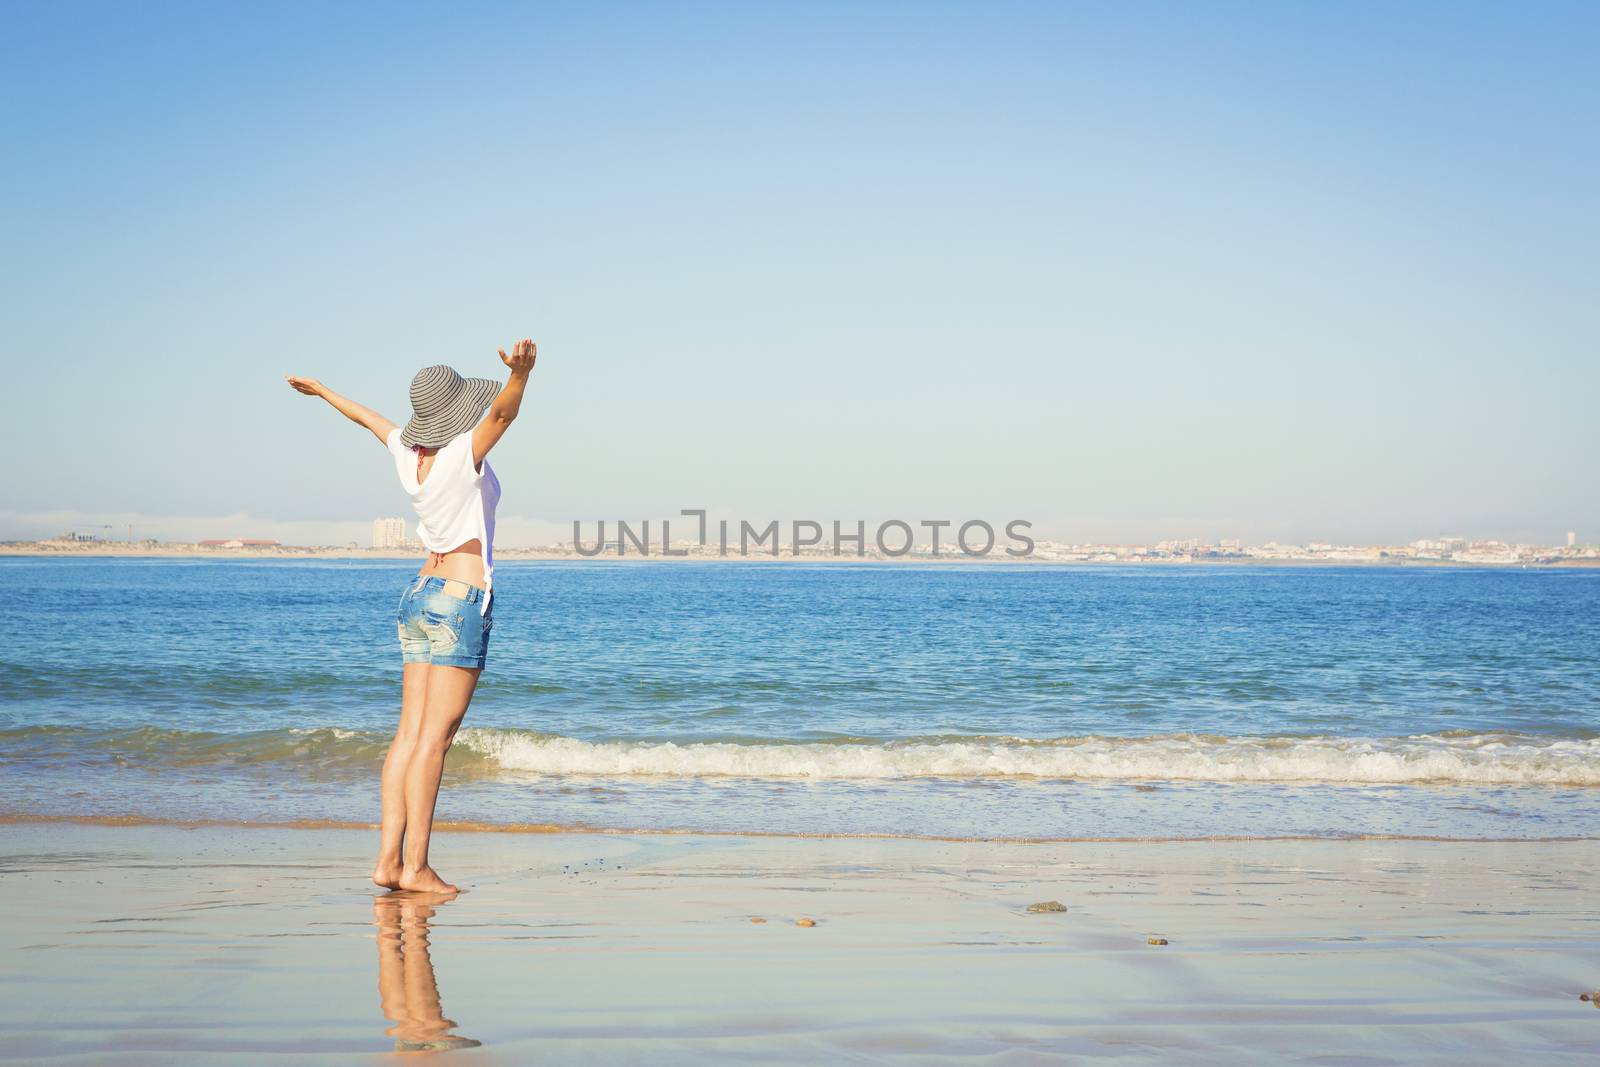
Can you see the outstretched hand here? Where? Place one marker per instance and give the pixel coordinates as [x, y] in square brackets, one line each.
[308, 386]
[523, 355]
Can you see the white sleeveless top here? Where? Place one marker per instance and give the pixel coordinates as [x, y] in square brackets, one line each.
[455, 502]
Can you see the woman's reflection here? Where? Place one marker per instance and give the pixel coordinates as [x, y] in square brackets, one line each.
[406, 988]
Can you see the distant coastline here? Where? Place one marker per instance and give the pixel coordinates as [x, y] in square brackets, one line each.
[188, 550]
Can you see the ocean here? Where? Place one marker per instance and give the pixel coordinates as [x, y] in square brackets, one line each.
[986, 700]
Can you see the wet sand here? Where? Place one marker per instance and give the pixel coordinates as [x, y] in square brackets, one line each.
[159, 944]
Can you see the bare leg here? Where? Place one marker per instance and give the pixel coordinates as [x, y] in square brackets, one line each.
[449, 691]
[413, 693]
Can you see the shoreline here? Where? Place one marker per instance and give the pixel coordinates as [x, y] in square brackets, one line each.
[545, 555]
[448, 826]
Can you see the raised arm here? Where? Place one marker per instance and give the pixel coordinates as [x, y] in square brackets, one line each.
[506, 404]
[379, 425]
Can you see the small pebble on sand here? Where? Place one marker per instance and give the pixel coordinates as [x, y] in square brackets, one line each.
[757, 919]
[805, 922]
[1047, 905]
[1155, 941]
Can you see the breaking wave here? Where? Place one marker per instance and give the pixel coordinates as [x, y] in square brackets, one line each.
[1450, 758]
[1475, 759]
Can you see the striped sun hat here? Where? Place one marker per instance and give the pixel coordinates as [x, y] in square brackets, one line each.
[444, 404]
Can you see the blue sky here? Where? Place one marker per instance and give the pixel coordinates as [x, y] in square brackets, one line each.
[1130, 271]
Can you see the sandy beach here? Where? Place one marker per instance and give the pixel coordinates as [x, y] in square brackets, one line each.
[159, 944]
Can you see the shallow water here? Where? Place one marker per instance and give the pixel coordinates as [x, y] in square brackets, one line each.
[978, 700]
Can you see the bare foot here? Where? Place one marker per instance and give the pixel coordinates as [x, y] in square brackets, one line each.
[424, 880]
[386, 875]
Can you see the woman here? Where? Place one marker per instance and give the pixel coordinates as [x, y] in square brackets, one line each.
[446, 612]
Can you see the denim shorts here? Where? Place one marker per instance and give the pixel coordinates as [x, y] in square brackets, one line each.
[440, 622]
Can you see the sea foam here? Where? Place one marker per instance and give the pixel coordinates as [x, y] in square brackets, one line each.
[1469, 759]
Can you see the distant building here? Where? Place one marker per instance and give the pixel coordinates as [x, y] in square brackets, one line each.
[239, 542]
[1572, 538]
[388, 533]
